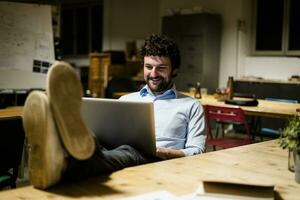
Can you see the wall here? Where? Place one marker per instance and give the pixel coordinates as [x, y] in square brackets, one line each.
[230, 12]
[135, 19]
[129, 20]
[126, 21]
[236, 59]
[272, 67]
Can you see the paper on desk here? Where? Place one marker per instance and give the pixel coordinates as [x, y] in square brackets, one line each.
[157, 195]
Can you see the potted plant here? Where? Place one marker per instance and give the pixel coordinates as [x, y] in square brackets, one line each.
[290, 139]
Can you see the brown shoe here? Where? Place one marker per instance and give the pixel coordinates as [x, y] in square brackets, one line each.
[65, 93]
[46, 153]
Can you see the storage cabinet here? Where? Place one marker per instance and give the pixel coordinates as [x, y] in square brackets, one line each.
[269, 89]
[262, 90]
[198, 37]
[289, 91]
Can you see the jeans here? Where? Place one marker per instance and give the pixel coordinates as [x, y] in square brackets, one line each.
[105, 161]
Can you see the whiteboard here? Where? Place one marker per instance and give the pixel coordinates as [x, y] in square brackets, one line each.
[25, 36]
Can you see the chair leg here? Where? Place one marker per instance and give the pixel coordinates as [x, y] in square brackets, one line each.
[223, 130]
[258, 127]
[13, 185]
[217, 130]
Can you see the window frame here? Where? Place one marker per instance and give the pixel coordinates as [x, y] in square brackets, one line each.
[288, 51]
[74, 9]
[285, 34]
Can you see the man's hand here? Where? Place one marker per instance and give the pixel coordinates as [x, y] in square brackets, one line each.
[167, 153]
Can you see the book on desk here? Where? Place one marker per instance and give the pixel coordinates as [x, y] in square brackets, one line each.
[234, 190]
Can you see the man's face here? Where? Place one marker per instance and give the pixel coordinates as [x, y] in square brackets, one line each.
[158, 73]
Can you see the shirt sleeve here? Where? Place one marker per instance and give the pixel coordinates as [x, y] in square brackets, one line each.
[196, 136]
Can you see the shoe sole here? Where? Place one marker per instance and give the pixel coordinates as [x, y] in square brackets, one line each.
[65, 93]
[46, 154]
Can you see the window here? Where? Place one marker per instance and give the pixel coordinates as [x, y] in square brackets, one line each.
[294, 28]
[276, 31]
[81, 29]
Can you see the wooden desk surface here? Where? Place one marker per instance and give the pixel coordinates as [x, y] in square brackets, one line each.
[265, 108]
[257, 163]
[11, 111]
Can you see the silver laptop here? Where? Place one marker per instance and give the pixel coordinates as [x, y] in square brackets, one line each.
[116, 122]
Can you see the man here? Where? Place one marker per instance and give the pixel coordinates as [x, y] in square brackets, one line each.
[179, 119]
[60, 144]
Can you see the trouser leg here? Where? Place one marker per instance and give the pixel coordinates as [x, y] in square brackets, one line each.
[104, 161]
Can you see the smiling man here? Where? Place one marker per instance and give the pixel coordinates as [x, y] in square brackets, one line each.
[179, 119]
[61, 146]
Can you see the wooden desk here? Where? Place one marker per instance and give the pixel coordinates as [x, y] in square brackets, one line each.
[257, 163]
[11, 111]
[265, 108]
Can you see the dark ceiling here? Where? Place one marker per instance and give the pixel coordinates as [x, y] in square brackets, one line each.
[54, 2]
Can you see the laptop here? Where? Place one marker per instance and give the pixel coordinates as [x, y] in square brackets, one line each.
[116, 122]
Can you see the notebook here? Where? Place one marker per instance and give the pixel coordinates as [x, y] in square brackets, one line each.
[116, 122]
[219, 189]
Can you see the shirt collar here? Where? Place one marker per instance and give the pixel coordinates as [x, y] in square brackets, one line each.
[168, 94]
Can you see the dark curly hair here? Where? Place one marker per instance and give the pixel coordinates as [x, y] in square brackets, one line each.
[161, 45]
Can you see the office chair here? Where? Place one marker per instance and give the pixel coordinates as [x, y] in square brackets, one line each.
[271, 127]
[233, 115]
[246, 99]
[11, 148]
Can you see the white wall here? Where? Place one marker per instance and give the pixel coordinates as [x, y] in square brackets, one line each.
[272, 67]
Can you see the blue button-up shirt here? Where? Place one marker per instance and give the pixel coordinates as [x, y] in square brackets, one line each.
[179, 120]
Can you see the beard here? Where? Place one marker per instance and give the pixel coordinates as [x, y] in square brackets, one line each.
[158, 84]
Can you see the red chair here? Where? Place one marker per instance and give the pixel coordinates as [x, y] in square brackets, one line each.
[228, 115]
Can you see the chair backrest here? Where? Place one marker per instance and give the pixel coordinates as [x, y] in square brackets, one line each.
[282, 100]
[12, 137]
[228, 114]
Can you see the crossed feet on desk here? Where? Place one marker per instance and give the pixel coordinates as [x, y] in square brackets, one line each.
[54, 128]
